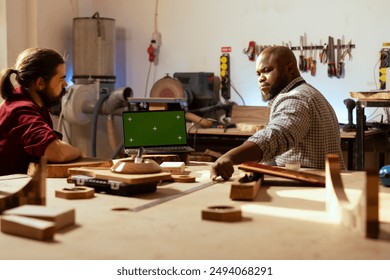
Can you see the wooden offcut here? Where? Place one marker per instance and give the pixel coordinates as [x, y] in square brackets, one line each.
[61, 217]
[245, 189]
[361, 215]
[76, 193]
[175, 168]
[27, 227]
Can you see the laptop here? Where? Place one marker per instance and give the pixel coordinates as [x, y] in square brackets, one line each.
[157, 132]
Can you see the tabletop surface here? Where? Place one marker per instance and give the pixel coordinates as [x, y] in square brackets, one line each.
[285, 221]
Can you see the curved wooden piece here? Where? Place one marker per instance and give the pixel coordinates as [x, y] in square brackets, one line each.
[20, 189]
[361, 215]
[128, 166]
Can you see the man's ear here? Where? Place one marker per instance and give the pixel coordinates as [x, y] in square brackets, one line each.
[40, 83]
[290, 68]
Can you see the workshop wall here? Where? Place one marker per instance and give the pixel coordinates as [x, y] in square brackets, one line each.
[193, 32]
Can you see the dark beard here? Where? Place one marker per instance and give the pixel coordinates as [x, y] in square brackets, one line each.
[281, 83]
[48, 100]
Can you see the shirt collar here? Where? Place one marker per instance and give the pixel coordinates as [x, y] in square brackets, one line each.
[290, 86]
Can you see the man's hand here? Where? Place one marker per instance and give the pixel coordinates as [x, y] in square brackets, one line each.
[222, 167]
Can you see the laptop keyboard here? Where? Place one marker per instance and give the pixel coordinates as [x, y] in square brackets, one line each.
[163, 150]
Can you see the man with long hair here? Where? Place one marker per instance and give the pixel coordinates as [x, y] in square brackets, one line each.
[26, 127]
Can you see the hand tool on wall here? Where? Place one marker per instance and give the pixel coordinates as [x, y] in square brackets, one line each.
[250, 51]
[347, 51]
[313, 68]
[301, 57]
[339, 65]
[310, 58]
[324, 54]
[331, 57]
[344, 53]
[307, 58]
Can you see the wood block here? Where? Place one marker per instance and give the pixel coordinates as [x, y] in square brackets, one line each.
[175, 168]
[245, 188]
[361, 215]
[222, 214]
[76, 193]
[61, 217]
[27, 227]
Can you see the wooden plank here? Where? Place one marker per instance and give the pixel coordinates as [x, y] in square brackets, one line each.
[27, 227]
[250, 118]
[374, 94]
[131, 179]
[302, 176]
[360, 215]
[60, 170]
[61, 217]
[250, 114]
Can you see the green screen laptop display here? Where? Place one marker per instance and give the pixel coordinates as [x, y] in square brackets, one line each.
[154, 128]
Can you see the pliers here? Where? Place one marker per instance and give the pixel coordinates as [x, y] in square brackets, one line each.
[324, 54]
[347, 51]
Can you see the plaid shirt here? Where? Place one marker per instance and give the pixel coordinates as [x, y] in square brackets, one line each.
[303, 127]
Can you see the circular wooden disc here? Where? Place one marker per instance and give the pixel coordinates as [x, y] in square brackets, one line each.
[183, 178]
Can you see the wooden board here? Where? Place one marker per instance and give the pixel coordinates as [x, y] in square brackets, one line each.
[60, 170]
[27, 227]
[61, 217]
[374, 94]
[316, 180]
[107, 174]
[250, 114]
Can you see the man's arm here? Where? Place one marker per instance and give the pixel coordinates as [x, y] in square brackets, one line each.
[223, 166]
[60, 151]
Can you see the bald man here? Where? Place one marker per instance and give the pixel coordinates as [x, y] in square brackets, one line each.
[302, 127]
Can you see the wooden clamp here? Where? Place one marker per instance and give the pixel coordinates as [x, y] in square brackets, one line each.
[360, 216]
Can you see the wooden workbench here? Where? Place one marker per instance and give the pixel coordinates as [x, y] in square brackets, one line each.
[286, 221]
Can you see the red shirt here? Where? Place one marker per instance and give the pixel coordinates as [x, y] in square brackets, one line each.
[25, 132]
